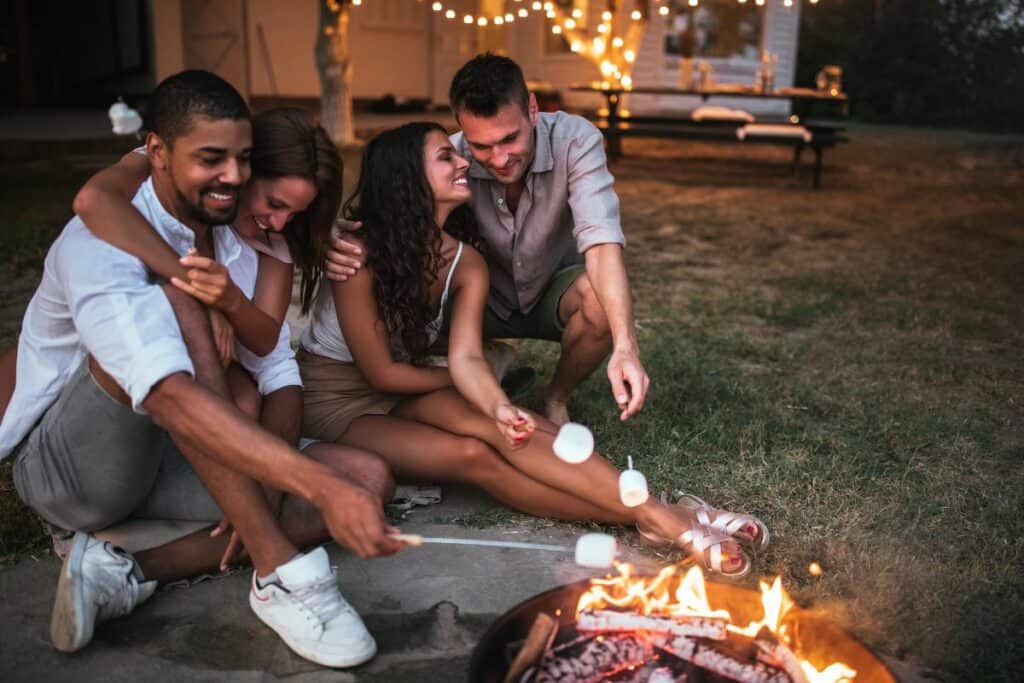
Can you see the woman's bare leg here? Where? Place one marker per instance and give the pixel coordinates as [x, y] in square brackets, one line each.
[596, 480]
[418, 451]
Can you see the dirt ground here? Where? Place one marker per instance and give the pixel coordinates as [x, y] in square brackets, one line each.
[878, 324]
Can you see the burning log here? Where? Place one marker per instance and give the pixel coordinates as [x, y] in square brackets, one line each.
[537, 642]
[720, 659]
[773, 651]
[617, 622]
[591, 659]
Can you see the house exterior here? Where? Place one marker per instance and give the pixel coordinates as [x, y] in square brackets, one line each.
[91, 51]
[409, 50]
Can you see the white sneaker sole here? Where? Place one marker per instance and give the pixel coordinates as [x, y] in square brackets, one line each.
[67, 628]
[335, 662]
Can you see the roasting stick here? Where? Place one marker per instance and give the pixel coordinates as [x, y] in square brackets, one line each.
[417, 540]
[591, 550]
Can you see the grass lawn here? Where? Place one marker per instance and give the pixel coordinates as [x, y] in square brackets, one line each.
[845, 363]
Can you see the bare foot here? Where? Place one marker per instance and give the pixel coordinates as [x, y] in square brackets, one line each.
[556, 411]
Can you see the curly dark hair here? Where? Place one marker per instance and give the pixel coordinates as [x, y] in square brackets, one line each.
[288, 142]
[403, 241]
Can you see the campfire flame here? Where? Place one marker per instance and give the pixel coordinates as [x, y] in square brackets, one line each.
[654, 596]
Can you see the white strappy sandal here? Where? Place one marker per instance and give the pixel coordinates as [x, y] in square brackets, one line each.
[733, 524]
[697, 539]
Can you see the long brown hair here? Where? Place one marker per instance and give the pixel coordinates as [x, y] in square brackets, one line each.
[394, 201]
[288, 142]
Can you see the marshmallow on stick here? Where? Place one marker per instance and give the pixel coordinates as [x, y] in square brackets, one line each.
[574, 443]
[592, 550]
[632, 487]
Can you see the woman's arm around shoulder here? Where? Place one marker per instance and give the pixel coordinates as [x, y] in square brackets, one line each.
[105, 206]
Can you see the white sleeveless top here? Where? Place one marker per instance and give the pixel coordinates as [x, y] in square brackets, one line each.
[323, 334]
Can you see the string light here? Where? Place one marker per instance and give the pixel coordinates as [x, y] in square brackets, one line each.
[436, 7]
[449, 14]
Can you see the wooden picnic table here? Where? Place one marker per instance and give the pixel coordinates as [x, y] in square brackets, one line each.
[824, 133]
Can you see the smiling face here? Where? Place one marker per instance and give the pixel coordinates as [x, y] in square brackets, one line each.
[200, 176]
[270, 203]
[503, 143]
[445, 171]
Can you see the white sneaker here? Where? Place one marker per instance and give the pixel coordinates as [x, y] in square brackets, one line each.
[97, 582]
[303, 605]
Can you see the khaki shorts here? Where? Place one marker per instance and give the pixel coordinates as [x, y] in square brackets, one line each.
[91, 462]
[334, 394]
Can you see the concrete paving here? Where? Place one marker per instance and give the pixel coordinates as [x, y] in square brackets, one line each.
[427, 607]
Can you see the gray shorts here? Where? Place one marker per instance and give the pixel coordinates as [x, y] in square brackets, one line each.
[91, 461]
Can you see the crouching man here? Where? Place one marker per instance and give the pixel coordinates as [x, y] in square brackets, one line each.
[121, 409]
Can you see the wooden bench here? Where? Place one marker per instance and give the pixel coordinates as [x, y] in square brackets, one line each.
[815, 135]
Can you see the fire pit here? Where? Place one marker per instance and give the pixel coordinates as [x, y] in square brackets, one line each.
[669, 627]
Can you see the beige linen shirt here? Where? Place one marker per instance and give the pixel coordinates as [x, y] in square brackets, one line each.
[568, 205]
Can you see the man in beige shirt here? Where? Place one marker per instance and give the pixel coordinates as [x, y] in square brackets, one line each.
[543, 198]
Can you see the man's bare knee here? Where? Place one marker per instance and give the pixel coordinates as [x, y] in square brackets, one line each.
[373, 474]
[587, 309]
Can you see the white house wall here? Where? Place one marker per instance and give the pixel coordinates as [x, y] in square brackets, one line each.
[402, 48]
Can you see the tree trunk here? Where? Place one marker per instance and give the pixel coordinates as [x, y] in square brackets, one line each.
[334, 65]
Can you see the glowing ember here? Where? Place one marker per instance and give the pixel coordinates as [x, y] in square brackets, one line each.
[666, 595]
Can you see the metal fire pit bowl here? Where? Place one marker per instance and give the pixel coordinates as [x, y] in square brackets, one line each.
[814, 633]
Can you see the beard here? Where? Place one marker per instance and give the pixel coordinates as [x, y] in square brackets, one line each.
[206, 216]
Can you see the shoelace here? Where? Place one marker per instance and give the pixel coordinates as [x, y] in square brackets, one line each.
[322, 599]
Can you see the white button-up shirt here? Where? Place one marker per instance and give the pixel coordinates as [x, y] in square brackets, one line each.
[96, 299]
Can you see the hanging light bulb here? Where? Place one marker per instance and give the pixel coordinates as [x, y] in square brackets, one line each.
[550, 14]
[629, 56]
[449, 14]
[570, 24]
[636, 15]
[482, 21]
[536, 6]
[436, 7]
[498, 21]
[599, 45]
[606, 16]
[509, 18]
[627, 82]
[602, 28]
[577, 13]
[468, 19]
[576, 46]
[663, 10]
[556, 29]
[523, 13]
[693, 3]
[617, 42]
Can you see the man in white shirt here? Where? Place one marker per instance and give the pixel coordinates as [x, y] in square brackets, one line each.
[118, 378]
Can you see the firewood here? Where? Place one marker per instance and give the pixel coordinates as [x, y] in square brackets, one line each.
[592, 659]
[773, 651]
[537, 642]
[611, 621]
[716, 658]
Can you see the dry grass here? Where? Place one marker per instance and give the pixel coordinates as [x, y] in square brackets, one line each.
[845, 363]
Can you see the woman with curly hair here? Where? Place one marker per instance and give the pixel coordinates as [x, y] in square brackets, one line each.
[365, 385]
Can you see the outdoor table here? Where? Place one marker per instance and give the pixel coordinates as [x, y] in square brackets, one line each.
[824, 134]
